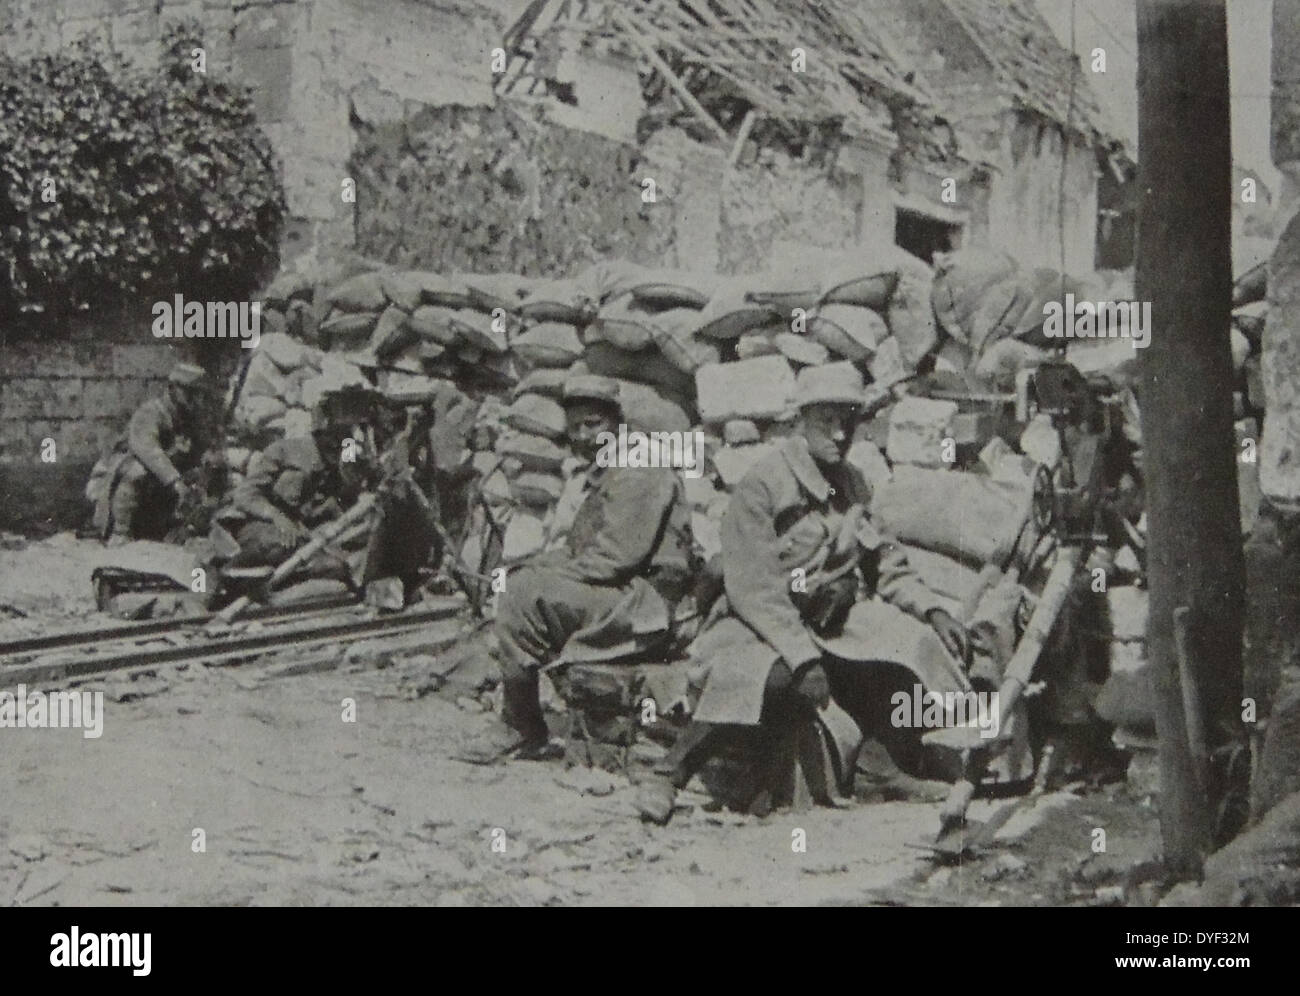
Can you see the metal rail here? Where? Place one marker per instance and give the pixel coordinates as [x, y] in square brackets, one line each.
[156, 627]
[332, 630]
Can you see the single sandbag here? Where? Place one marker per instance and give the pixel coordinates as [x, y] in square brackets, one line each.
[800, 351]
[532, 452]
[536, 490]
[433, 324]
[756, 343]
[674, 335]
[479, 331]
[401, 289]
[646, 410]
[961, 279]
[536, 414]
[549, 344]
[624, 323]
[646, 367]
[437, 289]
[729, 314]
[391, 334]
[967, 516]
[565, 301]
[862, 277]
[345, 330]
[489, 291]
[910, 316]
[545, 381]
[362, 293]
[667, 289]
[848, 330]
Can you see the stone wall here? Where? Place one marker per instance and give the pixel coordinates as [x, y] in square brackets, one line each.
[477, 189]
[79, 392]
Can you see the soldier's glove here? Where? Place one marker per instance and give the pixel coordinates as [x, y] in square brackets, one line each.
[181, 490]
[812, 685]
[952, 633]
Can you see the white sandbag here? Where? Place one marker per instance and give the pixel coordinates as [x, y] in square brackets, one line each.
[967, 516]
[549, 344]
[848, 331]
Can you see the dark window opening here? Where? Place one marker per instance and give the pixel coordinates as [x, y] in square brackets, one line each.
[923, 236]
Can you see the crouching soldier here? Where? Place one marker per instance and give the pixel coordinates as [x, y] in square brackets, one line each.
[292, 487]
[797, 551]
[610, 591]
[137, 488]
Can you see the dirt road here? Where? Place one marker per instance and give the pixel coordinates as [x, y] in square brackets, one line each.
[247, 785]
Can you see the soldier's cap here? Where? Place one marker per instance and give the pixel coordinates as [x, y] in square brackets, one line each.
[187, 375]
[592, 387]
[830, 383]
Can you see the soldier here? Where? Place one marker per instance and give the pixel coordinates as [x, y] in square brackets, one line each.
[293, 486]
[610, 591]
[797, 548]
[137, 488]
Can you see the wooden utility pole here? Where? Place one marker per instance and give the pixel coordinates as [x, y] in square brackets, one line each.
[1184, 269]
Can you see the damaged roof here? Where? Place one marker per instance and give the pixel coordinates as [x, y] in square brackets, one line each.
[748, 46]
[1031, 67]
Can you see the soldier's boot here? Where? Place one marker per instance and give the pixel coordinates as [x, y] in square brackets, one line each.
[523, 735]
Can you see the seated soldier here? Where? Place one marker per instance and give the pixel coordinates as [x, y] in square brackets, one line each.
[136, 489]
[610, 591]
[292, 487]
[797, 551]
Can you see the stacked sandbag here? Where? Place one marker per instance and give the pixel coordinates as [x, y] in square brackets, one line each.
[690, 352]
[990, 309]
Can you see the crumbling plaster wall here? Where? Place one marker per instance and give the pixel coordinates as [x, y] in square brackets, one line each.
[1024, 209]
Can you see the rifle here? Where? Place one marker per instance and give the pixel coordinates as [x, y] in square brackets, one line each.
[326, 534]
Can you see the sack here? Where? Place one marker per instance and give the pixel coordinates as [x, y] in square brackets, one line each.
[967, 516]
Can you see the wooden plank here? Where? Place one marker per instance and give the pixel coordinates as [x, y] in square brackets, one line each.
[669, 76]
[742, 136]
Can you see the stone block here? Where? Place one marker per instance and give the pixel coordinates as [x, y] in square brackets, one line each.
[917, 429]
[109, 397]
[740, 431]
[41, 397]
[758, 388]
[152, 359]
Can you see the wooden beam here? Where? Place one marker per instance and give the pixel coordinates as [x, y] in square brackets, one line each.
[669, 76]
[1184, 273]
[742, 136]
